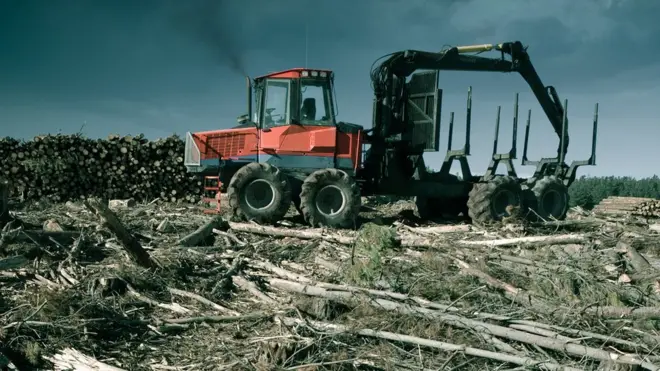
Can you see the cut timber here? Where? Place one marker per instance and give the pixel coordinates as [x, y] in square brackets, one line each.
[130, 243]
[635, 206]
[309, 234]
[63, 168]
[561, 239]
[71, 359]
[449, 347]
[203, 232]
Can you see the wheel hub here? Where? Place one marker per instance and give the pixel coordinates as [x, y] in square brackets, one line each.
[551, 202]
[501, 200]
[259, 194]
[330, 200]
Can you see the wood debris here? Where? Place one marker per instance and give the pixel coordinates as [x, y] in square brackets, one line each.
[163, 287]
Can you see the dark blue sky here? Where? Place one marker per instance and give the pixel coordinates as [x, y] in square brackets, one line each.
[162, 67]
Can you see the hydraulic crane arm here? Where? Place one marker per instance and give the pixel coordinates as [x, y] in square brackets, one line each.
[404, 63]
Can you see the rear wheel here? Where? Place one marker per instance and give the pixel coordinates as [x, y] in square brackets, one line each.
[259, 192]
[330, 198]
[551, 198]
[488, 202]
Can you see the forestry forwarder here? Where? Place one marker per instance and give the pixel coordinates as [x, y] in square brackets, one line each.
[293, 150]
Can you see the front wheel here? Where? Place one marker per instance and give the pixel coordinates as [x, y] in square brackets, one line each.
[259, 192]
[330, 198]
[491, 201]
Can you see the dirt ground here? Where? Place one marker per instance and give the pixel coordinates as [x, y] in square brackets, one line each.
[394, 294]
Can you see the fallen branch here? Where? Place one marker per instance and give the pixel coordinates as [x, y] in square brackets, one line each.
[203, 232]
[465, 323]
[561, 239]
[637, 260]
[283, 273]
[449, 347]
[309, 234]
[490, 280]
[229, 236]
[528, 300]
[128, 242]
[588, 334]
[252, 289]
[218, 319]
[406, 241]
[202, 300]
[71, 359]
[172, 307]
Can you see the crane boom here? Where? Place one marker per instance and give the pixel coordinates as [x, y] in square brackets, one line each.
[402, 64]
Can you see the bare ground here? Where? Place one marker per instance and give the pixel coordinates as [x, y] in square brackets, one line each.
[393, 295]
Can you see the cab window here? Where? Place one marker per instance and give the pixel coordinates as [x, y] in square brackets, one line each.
[316, 106]
[276, 105]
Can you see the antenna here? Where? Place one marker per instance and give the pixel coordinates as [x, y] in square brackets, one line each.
[306, 40]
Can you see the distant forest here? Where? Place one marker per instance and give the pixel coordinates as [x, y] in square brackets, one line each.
[589, 191]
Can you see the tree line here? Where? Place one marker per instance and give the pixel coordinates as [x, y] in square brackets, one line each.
[589, 191]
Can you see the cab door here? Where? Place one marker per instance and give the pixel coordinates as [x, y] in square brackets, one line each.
[275, 117]
[297, 125]
[310, 142]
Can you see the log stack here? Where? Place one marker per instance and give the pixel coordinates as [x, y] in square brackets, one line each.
[636, 206]
[69, 167]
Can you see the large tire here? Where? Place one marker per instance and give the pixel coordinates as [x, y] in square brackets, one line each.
[488, 201]
[330, 198]
[259, 192]
[551, 198]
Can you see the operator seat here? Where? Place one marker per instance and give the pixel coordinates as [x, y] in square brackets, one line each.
[308, 110]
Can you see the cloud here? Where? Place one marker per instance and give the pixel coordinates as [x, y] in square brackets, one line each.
[588, 40]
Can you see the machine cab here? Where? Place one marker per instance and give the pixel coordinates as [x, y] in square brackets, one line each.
[294, 97]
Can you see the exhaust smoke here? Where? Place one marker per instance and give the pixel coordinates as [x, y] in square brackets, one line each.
[206, 22]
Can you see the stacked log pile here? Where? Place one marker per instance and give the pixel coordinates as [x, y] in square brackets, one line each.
[69, 167]
[636, 206]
